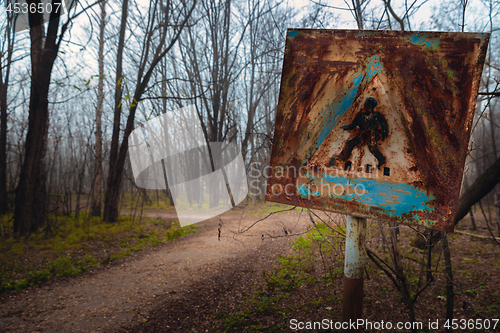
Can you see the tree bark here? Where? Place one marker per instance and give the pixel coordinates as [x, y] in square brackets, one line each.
[4, 83]
[497, 209]
[483, 185]
[164, 105]
[449, 279]
[96, 188]
[112, 198]
[3, 147]
[472, 220]
[112, 190]
[30, 201]
[358, 13]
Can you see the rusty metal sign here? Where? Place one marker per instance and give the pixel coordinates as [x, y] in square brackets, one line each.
[376, 124]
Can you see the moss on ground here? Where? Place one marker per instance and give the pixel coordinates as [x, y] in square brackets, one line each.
[69, 245]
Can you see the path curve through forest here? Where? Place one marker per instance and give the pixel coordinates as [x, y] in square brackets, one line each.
[123, 293]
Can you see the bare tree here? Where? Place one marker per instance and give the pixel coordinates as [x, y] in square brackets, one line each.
[258, 76]
[6, 51]
[30, 201]
[113, 153]
[210, 59]
[96, 187]
[162, 22]
[398, 19]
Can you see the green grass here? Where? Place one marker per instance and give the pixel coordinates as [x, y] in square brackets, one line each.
[135, 201]
[164, 204]
[299, 267]
[75, 245]
[290, 289]
[291, 272]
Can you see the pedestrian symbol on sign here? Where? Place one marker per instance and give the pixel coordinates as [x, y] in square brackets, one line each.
[371, 128]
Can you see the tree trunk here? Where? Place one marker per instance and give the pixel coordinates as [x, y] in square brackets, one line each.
[396, 260]
[3, 147]
[96, 188]
[449, 279]
[472, 220]
[113, 189]
[30, 202]
[164, 105]
[112, 199]
[4, 83]
[483, 185]
[497, 208]
[411, 314]
[81, 175]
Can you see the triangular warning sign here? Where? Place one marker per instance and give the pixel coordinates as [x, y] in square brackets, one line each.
[394, 146]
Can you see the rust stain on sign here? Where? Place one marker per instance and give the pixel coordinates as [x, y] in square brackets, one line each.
[376, 123]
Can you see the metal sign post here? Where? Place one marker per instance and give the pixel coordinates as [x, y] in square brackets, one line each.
[352, 307]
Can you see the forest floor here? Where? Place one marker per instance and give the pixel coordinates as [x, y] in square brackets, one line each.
[257, 281]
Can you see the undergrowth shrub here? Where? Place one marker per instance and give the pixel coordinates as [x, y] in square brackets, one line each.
[314, 259]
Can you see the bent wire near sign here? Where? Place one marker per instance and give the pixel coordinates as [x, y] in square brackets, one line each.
[376, 124]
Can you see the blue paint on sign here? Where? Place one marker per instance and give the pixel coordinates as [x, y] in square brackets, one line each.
[424, 40]
[293, 33]
[395, 199]
[303, 190]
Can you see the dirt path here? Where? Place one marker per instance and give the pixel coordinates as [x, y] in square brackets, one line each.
[126, 292]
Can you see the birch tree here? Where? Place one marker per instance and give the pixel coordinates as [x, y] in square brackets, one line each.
[96, 187]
